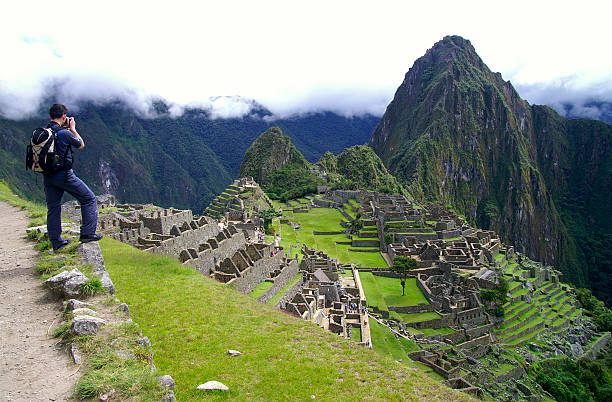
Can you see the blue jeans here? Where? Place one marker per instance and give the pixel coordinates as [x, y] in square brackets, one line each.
[55, 185]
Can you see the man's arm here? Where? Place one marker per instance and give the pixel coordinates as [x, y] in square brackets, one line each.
[75, 132]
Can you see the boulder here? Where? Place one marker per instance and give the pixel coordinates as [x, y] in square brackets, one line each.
[166, 381]
[144, 341]
[123, 307]
[91, 254]
[213, 385]
[75, 354]
[86, 325]
[233, 352]
[83, 311]
[67, 283]
[74, 304]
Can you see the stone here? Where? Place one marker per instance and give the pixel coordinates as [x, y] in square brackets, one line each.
[91, 254]
[107, 396]
[166, 381]
[577, 349]
[75, 354]
[74, 304]
[144, 341]
[67, 283]
[233, 352]
[213, 385]
[530, 357]
[169, 397]
[126, 355]
[86, 325]
[123, 307]
[83, 311]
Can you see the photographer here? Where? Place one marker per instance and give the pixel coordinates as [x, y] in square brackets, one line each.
[64, 179]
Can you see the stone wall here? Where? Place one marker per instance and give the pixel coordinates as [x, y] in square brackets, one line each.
[288, 273]
[596, 347]
[162, 221]
[257, 273]
[295, 289]
[187, 239]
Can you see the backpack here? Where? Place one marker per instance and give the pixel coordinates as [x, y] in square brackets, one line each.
[41, 153]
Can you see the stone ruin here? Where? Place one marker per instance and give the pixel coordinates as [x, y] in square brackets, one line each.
[222, 252]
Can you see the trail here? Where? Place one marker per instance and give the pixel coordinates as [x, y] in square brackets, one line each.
[32, 368]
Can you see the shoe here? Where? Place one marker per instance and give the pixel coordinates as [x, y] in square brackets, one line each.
[61, 246]
[88, 238]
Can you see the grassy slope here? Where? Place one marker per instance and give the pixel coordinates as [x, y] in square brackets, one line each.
[192, 321]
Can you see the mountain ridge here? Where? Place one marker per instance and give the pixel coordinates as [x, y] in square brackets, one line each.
[459, 134]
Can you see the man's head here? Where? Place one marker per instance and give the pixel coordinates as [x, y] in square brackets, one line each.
[57, 111]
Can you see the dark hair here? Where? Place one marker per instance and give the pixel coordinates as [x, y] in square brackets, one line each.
[58, 110]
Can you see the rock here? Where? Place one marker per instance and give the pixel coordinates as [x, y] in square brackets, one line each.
[107, 396]
[83, 311]
[92, 255]
[167, 381]
[75, 354]
[144, 341]
[123, 307]
[106, 281]
[74, 304]
[86, 325]
[67, 283]
[233, 352]
[213, 385]
[577, 349]
[169, 397]
[530, 357]
[126, 355]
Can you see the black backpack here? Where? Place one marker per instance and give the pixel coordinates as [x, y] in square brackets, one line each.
[41, 153]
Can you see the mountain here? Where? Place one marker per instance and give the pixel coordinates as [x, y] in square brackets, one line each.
[274, 162]
[180, 161]
[459, 134]
[271, 151]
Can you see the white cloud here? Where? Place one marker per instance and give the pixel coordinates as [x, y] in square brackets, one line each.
[345, 56]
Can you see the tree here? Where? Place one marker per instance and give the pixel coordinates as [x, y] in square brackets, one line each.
[403, 265]
[267, 215]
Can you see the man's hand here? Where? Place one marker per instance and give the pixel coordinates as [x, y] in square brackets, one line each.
[72, 124]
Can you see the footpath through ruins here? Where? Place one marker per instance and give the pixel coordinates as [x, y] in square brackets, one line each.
[32, 366]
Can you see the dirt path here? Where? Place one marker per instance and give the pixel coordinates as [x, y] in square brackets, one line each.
[31, 368]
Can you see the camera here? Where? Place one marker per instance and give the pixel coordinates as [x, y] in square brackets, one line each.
[67, 122]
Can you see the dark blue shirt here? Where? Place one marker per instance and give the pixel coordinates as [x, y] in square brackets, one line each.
[65, 139]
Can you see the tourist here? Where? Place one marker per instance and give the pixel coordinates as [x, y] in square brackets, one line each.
[64, 180]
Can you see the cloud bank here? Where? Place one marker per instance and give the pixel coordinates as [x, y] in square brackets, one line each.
[348, 57]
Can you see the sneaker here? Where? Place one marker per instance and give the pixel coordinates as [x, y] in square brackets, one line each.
[88, 238]
[62, 245]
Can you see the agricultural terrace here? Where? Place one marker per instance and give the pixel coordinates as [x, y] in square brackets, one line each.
[323, 220]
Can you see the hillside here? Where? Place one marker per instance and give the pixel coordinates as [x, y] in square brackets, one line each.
[181, 161]
[458, 134]
[283, 357]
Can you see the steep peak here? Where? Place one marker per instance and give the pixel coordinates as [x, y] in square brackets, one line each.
[449, 50]
[269, 152]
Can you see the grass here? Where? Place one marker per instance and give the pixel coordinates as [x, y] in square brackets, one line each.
[36, 212]
[284, 290]
[192, 321]
[324, 220]
[418, 317]
[261, 289]
[383, 292]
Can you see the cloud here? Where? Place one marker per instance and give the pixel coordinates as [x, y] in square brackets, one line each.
[291, 57]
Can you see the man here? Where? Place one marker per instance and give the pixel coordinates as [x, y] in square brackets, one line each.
[64, 179]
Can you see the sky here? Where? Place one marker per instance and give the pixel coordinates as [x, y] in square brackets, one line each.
[348, 57]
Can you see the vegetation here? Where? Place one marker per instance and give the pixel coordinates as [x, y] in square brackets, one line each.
[192, 321]
[402, 266]
[566, 380]
[498, 296]
[601, 315]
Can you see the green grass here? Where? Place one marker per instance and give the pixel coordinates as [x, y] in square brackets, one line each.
[192, 321]
[261, 289]
[36, 212]
[284, 290]
[417, 317]
[356, 334]
[383, 292]
[325, 220]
